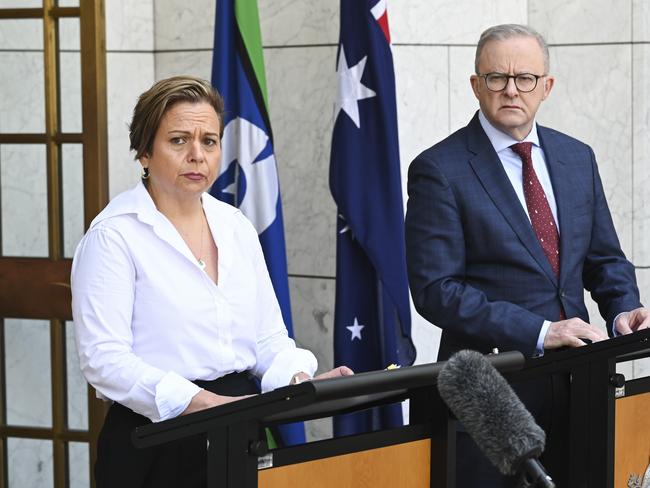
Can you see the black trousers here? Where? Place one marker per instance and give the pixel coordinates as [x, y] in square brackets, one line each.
[176, 464]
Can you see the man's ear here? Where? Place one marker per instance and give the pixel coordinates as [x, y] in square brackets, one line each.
[474, 80]
[549, 82]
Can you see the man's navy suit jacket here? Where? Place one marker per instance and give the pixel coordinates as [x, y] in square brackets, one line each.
[476, 268]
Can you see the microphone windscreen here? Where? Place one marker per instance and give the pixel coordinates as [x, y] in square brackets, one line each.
[490, 411]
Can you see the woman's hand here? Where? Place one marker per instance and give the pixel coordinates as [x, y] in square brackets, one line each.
[206, 399]
[333, 373]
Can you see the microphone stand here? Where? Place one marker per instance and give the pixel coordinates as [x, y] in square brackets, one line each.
[534, 475]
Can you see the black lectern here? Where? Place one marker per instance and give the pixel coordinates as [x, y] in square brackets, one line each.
[594, 387]
[235, 447]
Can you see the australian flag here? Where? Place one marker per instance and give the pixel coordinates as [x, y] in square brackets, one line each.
[372, 323]
[249, 177]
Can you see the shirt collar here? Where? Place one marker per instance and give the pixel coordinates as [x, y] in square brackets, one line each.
[500, 140]
[138, 201]
[134, 201]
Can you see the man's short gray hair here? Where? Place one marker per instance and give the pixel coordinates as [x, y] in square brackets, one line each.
[507, 31]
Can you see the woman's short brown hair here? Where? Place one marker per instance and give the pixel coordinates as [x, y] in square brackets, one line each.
[153, 104]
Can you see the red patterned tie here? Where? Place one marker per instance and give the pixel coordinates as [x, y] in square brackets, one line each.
[538, 208]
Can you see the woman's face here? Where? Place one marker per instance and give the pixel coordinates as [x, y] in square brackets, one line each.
[186, 153]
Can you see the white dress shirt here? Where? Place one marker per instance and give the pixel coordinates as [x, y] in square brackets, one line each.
[512, 165]
[148, 319]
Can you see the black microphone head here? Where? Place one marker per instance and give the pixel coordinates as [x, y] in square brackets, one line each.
[490, 411]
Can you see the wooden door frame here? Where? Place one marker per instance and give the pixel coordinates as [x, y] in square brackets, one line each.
[39, 288]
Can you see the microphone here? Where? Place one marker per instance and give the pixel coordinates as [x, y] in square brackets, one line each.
[494, 416]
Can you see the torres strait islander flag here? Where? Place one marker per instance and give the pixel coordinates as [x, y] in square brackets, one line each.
[372, 323]
[249, 176]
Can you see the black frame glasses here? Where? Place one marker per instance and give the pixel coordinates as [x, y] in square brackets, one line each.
[496, 82]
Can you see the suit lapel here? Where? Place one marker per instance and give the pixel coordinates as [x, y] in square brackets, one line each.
[561, 181]
[489, 170]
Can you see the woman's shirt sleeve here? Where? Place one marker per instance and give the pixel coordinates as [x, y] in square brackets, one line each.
[278, 358]
[103, 292]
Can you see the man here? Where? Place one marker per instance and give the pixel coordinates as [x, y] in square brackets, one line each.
[502, 240]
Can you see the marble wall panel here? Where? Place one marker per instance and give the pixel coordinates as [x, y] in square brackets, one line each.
[312, 309]
[641, 153]
[640, 20]
[20, 34]
[643, 280]
[23, 193]
[626, 369]
[20, 3]
[449, 21]
[72, 196]
[128, 75]
[594, 105]
[77, 388]
[302, 90]
[27, 363]
[181, 26]
[594, 313]
[287, 22]
[196, 63]
[130, 25]
[70, 91]
[422, 95]
[69, 35]
[184, 25]
[29, 463]
[582, 21]
[426, 338]
[642, 366]
[22, 104]
[319, 429]
[78, 457]
[462, 102]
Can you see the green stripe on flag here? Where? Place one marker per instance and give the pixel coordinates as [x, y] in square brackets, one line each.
[248, 21]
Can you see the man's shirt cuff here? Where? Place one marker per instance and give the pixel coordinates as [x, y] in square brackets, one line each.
[539, 350]
[615, 333]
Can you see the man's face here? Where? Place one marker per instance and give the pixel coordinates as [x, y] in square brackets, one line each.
[511, 110]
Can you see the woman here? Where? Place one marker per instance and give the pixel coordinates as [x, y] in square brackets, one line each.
[173, 306]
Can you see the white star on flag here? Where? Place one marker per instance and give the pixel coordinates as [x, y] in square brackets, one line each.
[355, 330]
[350, 88]
[346, 227]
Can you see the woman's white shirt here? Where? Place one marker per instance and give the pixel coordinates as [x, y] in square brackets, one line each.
[148, 319]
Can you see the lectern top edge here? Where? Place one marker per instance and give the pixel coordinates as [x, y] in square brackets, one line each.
[622, 348]
[283, 401]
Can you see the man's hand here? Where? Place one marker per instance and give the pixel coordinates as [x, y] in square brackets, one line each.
[634, 320]
[570, 332]
[206, 399]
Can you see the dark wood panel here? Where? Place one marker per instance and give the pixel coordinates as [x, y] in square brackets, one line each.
[37, 13]
[35, 288]
[59, 138]
[23, 432]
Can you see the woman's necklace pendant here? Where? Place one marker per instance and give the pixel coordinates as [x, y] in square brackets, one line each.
[201, 264]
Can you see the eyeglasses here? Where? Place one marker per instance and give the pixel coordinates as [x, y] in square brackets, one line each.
[496, 82]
